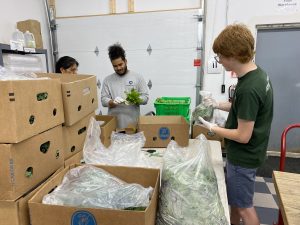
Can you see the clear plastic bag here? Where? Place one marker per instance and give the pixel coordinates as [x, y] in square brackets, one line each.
[92, 187]
[8, 74]
[189, 190]
[125, 149]
[204, 110]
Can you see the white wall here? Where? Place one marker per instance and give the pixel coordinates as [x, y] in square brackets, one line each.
[215, 23]
[17, 10]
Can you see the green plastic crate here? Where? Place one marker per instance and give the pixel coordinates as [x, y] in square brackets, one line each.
[173, 106]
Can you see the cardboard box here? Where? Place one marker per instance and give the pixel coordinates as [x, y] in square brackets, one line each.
[16, 212]
[61, 215]
[159, 130]
[130, 129]
[29, 107]
[74, 136]
[79, 93]
[75, 159]
[200, 129]
[34, 27]
[107, 128]
[26, 164]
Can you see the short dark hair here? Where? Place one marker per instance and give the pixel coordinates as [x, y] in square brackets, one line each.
[116, 51]
[65, 62]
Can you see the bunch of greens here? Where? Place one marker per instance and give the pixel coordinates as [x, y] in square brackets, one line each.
[206, 112]
[133, 97]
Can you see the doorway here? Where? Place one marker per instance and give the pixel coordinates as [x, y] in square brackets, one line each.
[278, 53]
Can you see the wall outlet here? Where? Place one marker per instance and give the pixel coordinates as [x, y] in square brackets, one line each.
[213, 66]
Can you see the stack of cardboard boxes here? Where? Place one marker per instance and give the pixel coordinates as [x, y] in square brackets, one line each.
[79, 96]
[31, 144]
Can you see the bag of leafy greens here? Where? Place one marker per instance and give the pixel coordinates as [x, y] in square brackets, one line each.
[189, 191]
[203, 110]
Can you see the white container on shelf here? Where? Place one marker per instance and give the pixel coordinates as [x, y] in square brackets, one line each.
[29, 40]
[18, 36]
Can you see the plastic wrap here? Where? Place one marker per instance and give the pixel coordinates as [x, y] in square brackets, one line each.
[89, 186]
[22, 63]
[7, 74]
[189, 190]
[204, 110]
[125, 149]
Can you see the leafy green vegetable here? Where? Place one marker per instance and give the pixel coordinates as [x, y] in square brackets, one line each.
[133, 97]
[206, 112]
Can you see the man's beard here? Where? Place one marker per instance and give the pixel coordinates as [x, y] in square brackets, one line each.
[121, 74]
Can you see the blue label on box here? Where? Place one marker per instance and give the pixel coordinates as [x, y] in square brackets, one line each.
[164, 133]
[83, 218]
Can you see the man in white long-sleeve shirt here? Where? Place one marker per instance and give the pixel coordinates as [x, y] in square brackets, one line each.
[115, 85]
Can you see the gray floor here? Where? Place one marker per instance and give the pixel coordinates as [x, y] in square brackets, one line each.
[265, 201]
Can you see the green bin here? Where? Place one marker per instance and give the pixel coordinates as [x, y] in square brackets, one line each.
[173, 106]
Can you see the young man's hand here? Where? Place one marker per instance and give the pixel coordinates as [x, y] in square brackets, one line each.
[207, 124]
[209, 101]
[119, 100]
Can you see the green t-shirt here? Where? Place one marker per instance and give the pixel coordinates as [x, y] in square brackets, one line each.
[252, 101]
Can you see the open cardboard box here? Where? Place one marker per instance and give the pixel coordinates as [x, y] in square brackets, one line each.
[160, 130]
[79, 94]
[130, 129]
[29, 107]
[109, 125]
[43, 214]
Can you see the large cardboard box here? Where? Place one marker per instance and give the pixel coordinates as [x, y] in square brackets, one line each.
[79, 93]
[34, 27]
[160, 130]
[29, 107]
[109, 125]
[201, 129]
[29, 162]
[74, 136]
[62, 215]
[16, 212]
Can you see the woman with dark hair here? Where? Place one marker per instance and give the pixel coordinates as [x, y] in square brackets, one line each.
[66, 64]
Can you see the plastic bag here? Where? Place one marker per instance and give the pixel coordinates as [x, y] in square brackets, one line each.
[189, 191]
[125, 149]
[7, 74]
[203, 110]
[89, 186]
